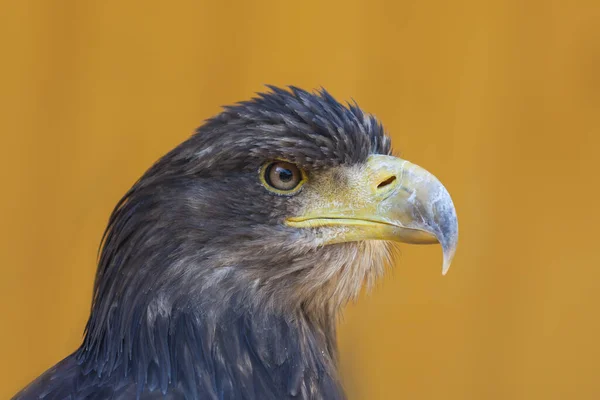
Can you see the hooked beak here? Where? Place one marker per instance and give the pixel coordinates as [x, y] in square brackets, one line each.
[387, 199]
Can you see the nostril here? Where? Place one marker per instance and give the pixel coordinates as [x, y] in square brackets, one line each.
[387, 182]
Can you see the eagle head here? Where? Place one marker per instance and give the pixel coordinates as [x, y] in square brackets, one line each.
[233, 253]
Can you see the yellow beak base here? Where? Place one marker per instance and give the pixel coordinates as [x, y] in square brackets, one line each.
[386, 199]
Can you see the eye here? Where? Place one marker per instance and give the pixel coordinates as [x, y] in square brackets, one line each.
[282, 177]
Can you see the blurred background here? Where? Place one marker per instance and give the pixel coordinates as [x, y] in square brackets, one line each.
[499, 99]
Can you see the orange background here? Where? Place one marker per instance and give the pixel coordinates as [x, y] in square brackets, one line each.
[500, 99]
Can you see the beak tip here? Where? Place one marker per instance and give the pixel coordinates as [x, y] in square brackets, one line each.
[448, 235]
[445, 267]
[449, 249]
[448, 257]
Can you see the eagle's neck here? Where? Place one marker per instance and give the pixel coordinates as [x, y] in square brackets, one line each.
[223, 351]
[179, 310]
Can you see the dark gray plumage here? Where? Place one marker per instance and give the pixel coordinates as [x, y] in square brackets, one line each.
[201, 291]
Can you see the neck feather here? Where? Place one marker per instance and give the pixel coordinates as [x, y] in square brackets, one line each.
[220, 349]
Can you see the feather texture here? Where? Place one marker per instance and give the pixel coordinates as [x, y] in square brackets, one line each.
[201, 291]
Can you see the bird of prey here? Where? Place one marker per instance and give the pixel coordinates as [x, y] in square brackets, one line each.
[223, 269]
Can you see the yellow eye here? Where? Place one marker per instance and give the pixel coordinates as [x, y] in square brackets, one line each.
[282, 177]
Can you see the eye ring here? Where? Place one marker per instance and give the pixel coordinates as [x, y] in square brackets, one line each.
[282, 177]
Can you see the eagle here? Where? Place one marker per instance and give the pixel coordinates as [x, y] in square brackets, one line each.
[223, 269]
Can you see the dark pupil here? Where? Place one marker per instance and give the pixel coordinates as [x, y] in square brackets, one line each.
[285, 175]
